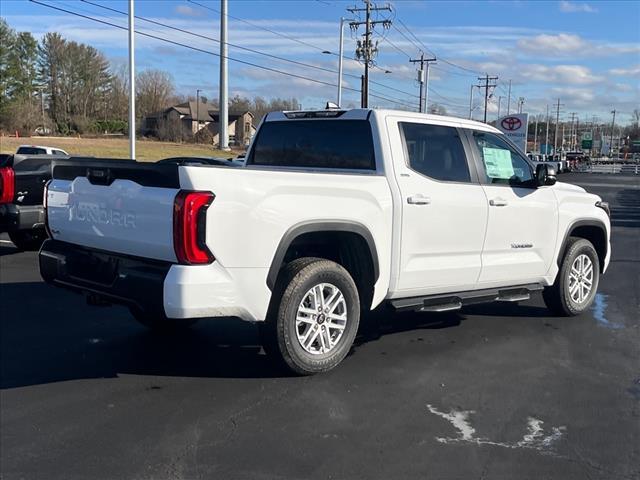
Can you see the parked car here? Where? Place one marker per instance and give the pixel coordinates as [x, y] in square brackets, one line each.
[22, 182]
[333, 213]
[40, 150]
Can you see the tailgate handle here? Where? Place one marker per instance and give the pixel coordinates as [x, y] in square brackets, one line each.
[99, 176]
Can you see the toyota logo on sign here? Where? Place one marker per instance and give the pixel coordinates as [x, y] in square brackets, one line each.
[511, 123]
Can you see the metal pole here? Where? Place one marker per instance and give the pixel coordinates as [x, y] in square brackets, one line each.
[198, 110]
[342, 20]
[546, 141]
[499, 101]
[509, 100]
[555, 138]
[535, 136]
[132, 84]
[224, 92]
[426, 92]
[613, 123]
[471, 103]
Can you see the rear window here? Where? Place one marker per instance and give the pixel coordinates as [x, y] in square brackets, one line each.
[342, 144]
[31, 151]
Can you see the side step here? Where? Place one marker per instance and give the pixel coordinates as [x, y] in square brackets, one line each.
[455, 301]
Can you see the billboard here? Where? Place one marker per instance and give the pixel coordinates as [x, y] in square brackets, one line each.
[515, 127]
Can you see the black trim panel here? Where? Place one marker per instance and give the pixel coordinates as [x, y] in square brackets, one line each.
[310, 227]
[122, 279]
[105, 171]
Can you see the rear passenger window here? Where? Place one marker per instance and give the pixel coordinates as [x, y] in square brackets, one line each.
[341, 144]
[436, 152]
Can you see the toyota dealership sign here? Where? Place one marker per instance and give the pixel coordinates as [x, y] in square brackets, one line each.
[515, 127]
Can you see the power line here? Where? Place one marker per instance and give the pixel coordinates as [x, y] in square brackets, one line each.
[258, 52]
[190, 47]
[302, 42]
[475, 72]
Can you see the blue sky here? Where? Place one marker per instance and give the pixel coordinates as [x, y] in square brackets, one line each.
[585, 53]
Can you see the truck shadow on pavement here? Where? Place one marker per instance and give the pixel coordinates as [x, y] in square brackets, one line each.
[50, 335]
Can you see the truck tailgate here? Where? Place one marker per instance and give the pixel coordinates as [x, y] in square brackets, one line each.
[117, 206]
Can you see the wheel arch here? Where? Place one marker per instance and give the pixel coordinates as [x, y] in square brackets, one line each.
[593, 230]
[314, 235]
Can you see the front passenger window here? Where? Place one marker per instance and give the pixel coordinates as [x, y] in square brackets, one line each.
[502, 163]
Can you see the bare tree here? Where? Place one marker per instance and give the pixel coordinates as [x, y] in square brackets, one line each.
[154, 91]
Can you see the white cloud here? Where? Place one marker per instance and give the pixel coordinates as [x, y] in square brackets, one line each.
[574, 7]
[563, 44]
[632, 71]
[186, 10]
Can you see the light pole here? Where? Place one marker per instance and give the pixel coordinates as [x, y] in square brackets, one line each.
[613, 124]
[132, 84]
[471, 103]
[198, 110]
[499, 101]
[340, 55]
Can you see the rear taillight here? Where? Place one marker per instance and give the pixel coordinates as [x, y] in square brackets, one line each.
[7, 185]
[189, 227]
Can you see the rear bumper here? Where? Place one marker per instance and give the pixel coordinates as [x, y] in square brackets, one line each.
[21, 217]
[178, 291]
[117, 278]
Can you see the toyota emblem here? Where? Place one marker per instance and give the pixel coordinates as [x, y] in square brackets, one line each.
[511, 123]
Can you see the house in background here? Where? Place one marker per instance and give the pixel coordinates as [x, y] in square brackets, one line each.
[189, 118]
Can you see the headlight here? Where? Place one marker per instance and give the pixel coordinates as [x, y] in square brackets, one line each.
[605, 207]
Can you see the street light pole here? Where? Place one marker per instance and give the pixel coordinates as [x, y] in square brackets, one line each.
[471, 104]
[198, 110]
[613, 124]
[340, 55]
[224, 90]
[132, 84]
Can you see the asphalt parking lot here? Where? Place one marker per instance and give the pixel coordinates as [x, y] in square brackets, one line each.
[497, 391]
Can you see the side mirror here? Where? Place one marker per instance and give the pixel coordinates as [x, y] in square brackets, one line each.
[545, 174]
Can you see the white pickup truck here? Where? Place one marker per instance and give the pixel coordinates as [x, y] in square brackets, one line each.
[331, 214]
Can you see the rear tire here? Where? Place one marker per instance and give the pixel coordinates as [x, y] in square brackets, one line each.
[159, 322]
[28, 240]
[314, 316]
[577, 281]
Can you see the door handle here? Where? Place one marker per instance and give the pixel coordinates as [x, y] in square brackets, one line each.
[498, 202]
[418, 199]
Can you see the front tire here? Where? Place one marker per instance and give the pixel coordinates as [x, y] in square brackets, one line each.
[577, 282]
[27, 240]
[159, 322]
[314, 319]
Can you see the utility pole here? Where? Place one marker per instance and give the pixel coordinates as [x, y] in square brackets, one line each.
[471, 102]
[198, 109]
[486, 87]
[613, 124]
[365, 50]
[423, 107]
[224, 90]
[546, 142]
[509, 100]
[573, 117]
[132, 84]
[555, 138]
